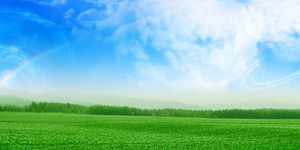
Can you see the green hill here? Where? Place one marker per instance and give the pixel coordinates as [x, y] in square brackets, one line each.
[13, 100]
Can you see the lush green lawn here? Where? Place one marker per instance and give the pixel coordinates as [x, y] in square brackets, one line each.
[69, 131]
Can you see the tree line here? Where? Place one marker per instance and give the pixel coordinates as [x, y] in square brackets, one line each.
[43, 107]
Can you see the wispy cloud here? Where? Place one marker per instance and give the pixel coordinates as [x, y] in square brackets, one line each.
[54, 2]
[207, 44]
[10, 58]
[181, 29]
[69, 13]
[28, 15]
[11, 54]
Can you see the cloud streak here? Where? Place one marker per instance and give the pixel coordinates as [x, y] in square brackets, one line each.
[208, 44]
[10, 58]
[173, 44]
[214, 42]
[54, 2]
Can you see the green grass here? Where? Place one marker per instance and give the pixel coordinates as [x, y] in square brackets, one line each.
[19, 130]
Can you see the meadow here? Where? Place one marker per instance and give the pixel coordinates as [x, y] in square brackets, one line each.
[25, 130]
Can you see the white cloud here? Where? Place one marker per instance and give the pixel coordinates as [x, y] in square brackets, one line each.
[89, 14]
[234, 29]
[54, 2]
[96, 2]
[69, 13]
[37, 18]
[114, 14]
[10, 58]
[209, 43]
[58, 2]
[11, 54]
[94, 18]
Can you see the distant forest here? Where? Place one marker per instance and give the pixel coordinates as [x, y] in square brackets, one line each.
[43, 107]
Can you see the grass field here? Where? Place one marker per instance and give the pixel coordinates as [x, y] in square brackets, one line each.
[76, 131]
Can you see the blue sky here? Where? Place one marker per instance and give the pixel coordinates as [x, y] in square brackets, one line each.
[172, 45]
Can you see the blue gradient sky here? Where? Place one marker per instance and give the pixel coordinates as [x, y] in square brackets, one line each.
[172, 45]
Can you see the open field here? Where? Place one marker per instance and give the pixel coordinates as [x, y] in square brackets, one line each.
[21, 130]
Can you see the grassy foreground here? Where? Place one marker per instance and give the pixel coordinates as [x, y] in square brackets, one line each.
[21, 130]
